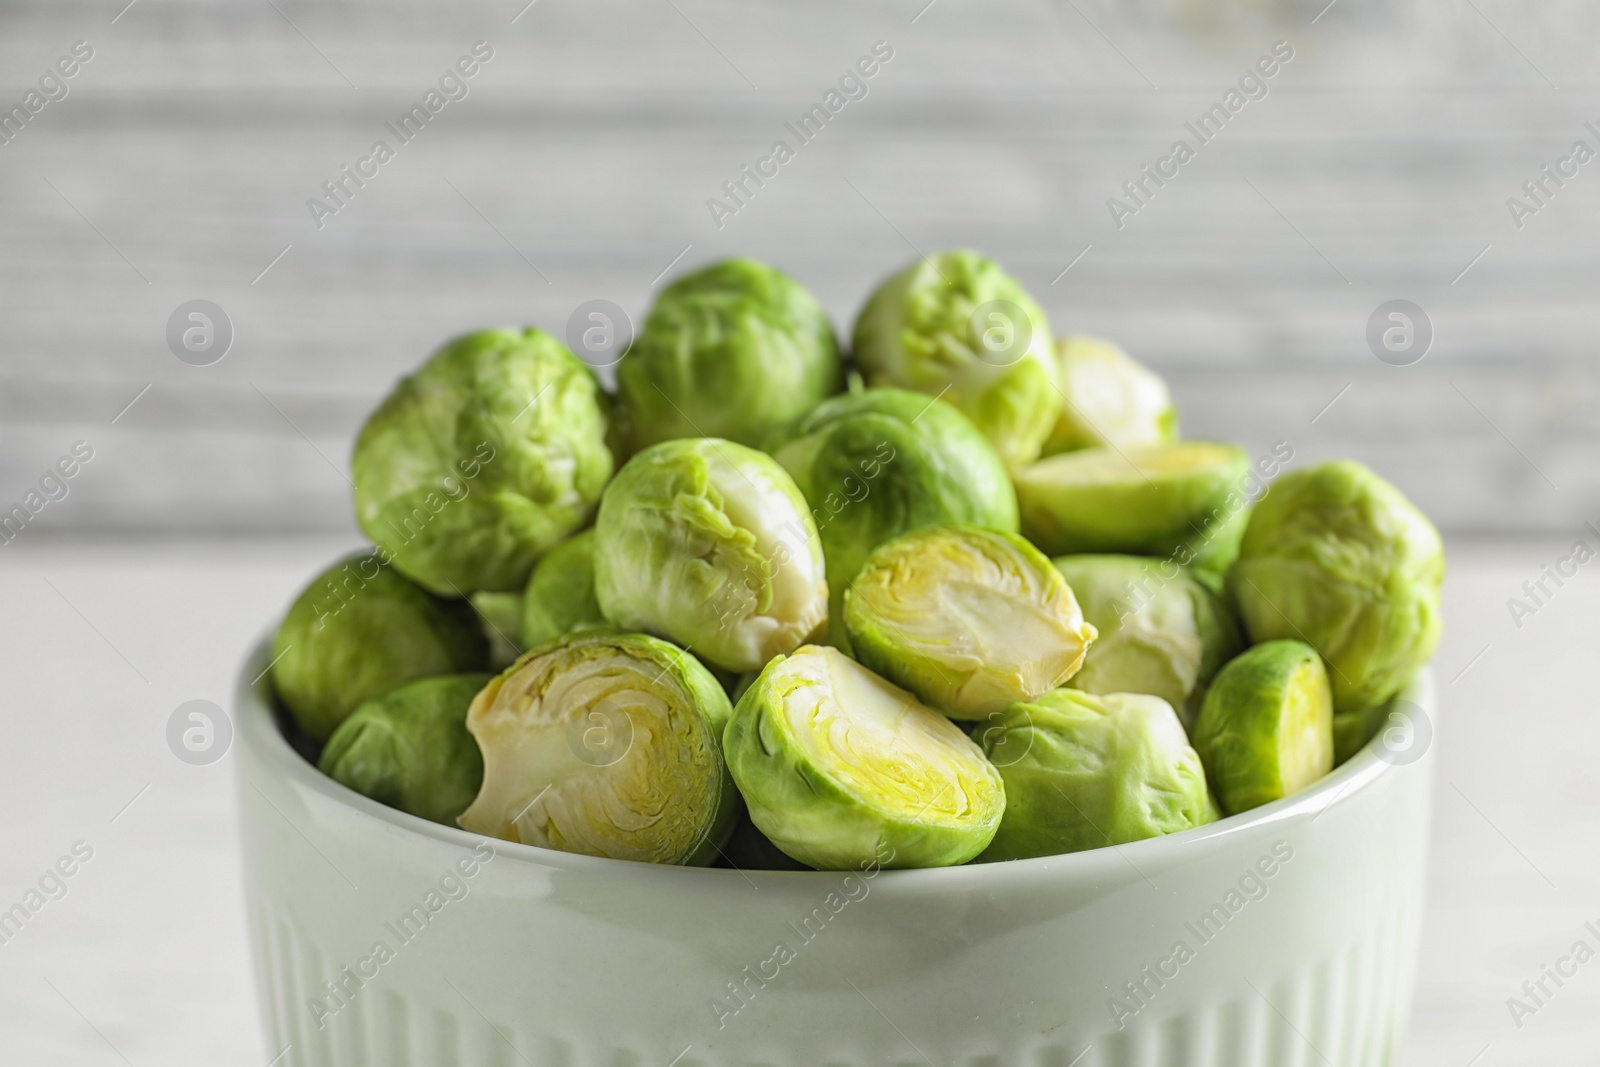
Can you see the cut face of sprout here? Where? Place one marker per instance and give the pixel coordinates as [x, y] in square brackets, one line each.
[606, 745]
[840, 768]
[968, 619]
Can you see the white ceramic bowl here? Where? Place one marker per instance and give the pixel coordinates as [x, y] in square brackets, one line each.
[375, 946]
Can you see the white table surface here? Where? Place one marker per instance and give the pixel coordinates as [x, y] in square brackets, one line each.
[144, 961]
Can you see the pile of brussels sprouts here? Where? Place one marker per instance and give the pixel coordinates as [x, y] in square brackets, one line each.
[958, 594]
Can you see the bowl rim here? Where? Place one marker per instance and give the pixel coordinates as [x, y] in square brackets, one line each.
[256, 726]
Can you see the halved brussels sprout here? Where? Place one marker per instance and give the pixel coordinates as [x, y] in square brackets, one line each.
[560, 595]
[1266, 728]
[1145, 500]
[1111, 400]
[968, 619]
[606, 744]
[501, 616]
[360, 630]
[410, 748]
[957, 326]
[483, 459]
[840, 768]
[734, 350]
[882, 462]
[1160, 631]
[1084, 770]
[710, 544]
[1336, 557]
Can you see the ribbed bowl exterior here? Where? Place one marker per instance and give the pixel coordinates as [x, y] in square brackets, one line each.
[1281, 938]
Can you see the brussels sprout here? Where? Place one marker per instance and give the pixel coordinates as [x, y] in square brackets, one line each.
[410, 749]
[958, 326]
[1337, 557]
[1212, 550]
[606, 744]
[482, 460]
[1146, 500]
[358, 631]
[1110, 400]
[883, 462]
[1266, 728]
[1084, 770]
[748, 849]
[1161, 632]
[501, 616]
[560, 594]
[1353, 729]
[840, 768]
[968, 619]
[709, 543]
[731, 351]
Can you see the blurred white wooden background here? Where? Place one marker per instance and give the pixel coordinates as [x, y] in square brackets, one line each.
[1378, 167]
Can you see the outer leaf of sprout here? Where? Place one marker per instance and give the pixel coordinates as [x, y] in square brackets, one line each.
[710, 544]
[735, 350]
[924, 329]
[410, 748]
[482, 460]
[560, 595]
[1082, 771]
[1335, 556]
[358, 631]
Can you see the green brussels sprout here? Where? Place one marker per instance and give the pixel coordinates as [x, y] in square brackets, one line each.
[731, 351]
[410, 748]
[840, 768]
[501, 615]
[748, 849]
[882, 462]
[1214, 547]
[1111, 400]
[482, 460]
[606, 744]
[360, 630]
[958, 326]
[710, 544]
[1083, 770]
[1147, 500]
[1266, 728]
[560, 595]
[968, 619]
[1161, 631]
[1337, 557]
[1353, 729]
